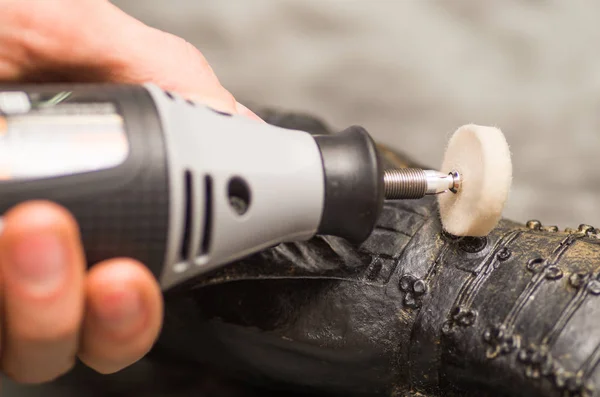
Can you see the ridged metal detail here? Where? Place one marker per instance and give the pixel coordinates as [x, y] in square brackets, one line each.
[405, 183]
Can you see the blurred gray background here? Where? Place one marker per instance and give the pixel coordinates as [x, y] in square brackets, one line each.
[413, 71]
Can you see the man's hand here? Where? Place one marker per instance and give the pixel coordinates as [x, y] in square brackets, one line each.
[53, 309]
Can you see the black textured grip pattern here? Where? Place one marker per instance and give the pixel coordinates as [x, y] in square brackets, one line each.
[123, 211]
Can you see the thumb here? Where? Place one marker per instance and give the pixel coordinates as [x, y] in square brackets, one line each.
[49, 42]
[174, 64]
[180, 67]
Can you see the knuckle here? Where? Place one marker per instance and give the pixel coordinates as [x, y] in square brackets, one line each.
[19, 16]
[44, 15]
[41, 32]
[15, 12]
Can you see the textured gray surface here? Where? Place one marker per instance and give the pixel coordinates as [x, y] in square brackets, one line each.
[412, 72]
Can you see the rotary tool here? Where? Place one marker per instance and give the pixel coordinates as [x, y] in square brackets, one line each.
[184, 188]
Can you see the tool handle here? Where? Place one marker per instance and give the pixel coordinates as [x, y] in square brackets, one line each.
[99, 151]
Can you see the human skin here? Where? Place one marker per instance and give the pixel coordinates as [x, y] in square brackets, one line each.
[54, 309]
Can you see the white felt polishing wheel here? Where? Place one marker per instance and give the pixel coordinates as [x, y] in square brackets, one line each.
[482, 158]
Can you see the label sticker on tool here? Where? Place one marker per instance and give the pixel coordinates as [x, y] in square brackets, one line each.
[14, 102]
[44, 136]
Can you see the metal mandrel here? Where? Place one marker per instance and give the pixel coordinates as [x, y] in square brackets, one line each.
[415, 183]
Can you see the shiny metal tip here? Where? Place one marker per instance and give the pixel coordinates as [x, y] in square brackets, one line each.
[415, 183]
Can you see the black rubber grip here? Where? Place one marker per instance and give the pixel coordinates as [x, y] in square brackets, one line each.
[354, 190]
[122, 211]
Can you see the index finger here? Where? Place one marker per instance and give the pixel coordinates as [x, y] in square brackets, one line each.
[93, 41]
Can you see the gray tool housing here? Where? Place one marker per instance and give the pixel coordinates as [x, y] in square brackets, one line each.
[281, 169]
[176, 185]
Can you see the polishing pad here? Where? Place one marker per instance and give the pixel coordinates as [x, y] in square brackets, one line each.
[482, 158]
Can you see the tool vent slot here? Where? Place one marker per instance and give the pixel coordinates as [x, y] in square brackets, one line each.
[170, 95]
[208, 215]
[189, 211]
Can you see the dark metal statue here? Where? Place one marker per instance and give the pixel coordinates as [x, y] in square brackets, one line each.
[411, 312]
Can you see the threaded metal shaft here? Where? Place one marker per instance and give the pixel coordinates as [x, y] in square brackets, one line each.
[405, 183]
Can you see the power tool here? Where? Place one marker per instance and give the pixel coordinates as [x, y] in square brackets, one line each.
[185, 188]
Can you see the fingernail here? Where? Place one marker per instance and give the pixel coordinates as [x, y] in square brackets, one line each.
[38, 262]
[119, 310]
[243, 110]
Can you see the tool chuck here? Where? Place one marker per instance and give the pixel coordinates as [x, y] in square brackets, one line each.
[356, 185]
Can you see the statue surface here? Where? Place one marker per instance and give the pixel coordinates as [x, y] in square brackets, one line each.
[412, 311]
